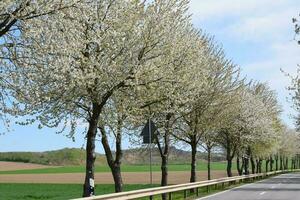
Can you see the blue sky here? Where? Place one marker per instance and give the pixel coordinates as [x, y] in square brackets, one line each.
[256, 34]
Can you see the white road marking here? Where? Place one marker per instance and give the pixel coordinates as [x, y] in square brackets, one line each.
[262, 193]
[229, 190]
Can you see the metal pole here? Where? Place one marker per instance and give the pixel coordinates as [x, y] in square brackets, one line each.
[150, 147]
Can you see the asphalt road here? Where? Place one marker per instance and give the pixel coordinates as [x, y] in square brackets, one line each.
[282, 187]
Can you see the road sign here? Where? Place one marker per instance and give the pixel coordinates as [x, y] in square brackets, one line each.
[148, 132]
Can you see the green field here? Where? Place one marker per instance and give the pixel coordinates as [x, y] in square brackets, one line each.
[125, 168]
[20, 191]
[69, 191]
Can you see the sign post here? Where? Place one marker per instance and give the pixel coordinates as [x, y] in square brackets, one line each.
[148, 137]
[150, 151]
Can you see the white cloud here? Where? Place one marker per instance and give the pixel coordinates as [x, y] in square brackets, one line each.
[282, 56]
[260, 28]
[271, 26]
[209, 9]
[246, 19]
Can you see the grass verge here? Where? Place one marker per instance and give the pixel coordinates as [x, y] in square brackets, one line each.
[12, 191]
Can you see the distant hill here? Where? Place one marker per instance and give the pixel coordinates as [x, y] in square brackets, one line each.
[74, 156]
[176, 156]
[67, 156]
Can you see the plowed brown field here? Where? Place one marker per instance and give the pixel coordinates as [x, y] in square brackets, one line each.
[5, 166]
[106, 178]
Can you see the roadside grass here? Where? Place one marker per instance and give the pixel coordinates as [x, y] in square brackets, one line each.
[13, 191]
[203, 191]
[125, 168]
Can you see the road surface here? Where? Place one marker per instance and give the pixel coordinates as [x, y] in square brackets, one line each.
[282, 187]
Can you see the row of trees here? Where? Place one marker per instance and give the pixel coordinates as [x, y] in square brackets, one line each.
[113, 64]
[295, 83]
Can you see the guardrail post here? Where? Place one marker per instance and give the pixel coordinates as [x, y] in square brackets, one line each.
[151, 197]
[184, 194]
[197, 192]
[207, 189]
[170, 196]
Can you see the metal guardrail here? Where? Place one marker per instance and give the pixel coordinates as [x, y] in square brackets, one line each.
[181, 187]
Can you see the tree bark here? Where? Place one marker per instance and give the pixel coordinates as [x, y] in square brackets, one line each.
[281, 163]
[267, 165]
[246, 165]
[164, 171]
[89, 187]
[276, 162]
[116, 171]
[208, 163]
[193, 161]
[246, 161]
[258, 166]
[229, 166]
[230, 152]
[238, 166]
[271, 163]
[114, 163]
[164, 153]
[252, 164]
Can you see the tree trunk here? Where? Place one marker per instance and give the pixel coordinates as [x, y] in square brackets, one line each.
[252, 164]
[208, 163]
[260, 165]
[246, 165]
[116, 172]
[193, 163]
[89, 187]
[164, 174]
[267, 165]
[164, 153]
[246, 161]
[239, 168]
[257, 166]
[164, 171]
[229, 156]
[114, 163]
[271, 163]
[294, 163]
[287, 163]
[281, 163]
[276, 162]
[229, 166]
